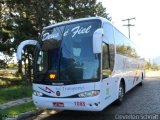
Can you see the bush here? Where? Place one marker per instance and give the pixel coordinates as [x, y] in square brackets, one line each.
[3, 64]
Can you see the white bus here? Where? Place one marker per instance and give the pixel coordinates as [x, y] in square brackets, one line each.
[84, 64]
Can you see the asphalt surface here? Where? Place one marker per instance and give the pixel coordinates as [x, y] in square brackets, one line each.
[142, 102]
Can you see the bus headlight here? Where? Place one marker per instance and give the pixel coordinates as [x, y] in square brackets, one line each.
[36, 93]
[89, 93]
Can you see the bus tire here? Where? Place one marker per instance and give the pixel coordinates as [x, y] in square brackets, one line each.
[141, 83]
[121, 94]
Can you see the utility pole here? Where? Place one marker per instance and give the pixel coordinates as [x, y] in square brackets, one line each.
[128, 25]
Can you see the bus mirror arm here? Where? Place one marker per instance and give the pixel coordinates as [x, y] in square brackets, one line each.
[97, 41]
[22, 45]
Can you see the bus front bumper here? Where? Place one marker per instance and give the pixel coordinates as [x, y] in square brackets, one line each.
[82, 104]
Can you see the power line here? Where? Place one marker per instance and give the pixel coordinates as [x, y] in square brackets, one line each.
[129, 25]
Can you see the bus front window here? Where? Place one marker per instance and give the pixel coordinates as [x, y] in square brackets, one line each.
[77, 59]
[72, 58]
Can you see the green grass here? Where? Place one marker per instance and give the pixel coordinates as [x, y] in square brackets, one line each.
[15, 92]
[16, 110]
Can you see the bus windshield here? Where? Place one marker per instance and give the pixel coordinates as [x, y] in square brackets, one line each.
[67, 51]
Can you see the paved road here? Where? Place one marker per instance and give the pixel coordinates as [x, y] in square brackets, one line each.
[140, 100]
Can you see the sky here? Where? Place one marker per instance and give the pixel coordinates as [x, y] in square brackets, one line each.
[145, 34]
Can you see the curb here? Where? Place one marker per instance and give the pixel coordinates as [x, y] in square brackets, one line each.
[15, 102]
[25, 115]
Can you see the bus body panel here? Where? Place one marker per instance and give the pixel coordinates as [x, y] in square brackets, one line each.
[69, 103]
[109, 90]
[128, 69]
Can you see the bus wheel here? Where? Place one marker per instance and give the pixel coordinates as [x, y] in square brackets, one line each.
[121, 94]
[141, 83]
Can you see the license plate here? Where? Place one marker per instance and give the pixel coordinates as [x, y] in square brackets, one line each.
[58, 104]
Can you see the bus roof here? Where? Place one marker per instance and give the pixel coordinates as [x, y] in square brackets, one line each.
[77, 20]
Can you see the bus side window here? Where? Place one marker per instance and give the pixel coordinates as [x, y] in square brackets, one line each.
[41, 62]
[109, 39]
[106, 71]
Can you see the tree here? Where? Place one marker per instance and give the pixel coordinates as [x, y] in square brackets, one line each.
[154, 66]
[5, 36]
[2, 64]
[77, 9]
[147, 65]
[158, 66]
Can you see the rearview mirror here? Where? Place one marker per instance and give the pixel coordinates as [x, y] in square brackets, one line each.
[97, 40]
[22, 45]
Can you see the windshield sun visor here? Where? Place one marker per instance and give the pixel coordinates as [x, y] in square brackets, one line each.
[51, 41]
